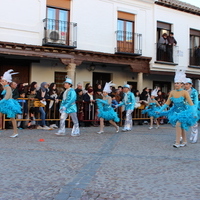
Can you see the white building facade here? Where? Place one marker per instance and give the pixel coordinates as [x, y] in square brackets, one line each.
[96, 41]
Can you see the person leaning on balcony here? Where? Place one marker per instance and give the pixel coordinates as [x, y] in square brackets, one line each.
[171, 42]
[162, 47]
[68, 107]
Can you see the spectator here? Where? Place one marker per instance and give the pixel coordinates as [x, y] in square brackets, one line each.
[89, 106]
[15, 92]
[53, 93]
[32, 86]
[98, 94]
[114, 101]
[33, 110]
[145, 94]
[24, 107]
[79, 87]
[79, 103]
[42, 95]
[171, 43]
[162, 47]
[86, 88]
[118, 96]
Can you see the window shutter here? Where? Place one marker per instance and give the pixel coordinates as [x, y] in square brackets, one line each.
[59, 3]
[126, 16]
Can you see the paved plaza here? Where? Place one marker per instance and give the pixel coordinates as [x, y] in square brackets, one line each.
[136, 165]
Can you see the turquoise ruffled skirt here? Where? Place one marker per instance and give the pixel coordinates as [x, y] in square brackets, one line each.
[107, 112]
[10, 107]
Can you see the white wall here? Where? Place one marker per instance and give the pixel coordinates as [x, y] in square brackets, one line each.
[21, 21]
[45, 71]
[181, 24]
[97, 22]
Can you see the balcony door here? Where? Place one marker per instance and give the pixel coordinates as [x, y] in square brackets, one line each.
[125, 39]
[57, 25]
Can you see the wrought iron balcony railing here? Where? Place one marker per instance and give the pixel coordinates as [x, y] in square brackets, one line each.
[165, 53]
[195, 56]
[128, 42]
[57, 32]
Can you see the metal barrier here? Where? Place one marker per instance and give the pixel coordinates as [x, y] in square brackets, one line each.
[52, 114]
[86, 112]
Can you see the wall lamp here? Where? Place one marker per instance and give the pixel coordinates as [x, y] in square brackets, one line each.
[91, 67]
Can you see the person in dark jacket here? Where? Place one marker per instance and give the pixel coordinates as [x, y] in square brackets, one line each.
[171, 43]
[42, 95]
[15, 92]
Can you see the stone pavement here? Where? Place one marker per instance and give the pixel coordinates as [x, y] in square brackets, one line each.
[136, 165]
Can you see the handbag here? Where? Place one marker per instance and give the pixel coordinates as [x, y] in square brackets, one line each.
[38, 104]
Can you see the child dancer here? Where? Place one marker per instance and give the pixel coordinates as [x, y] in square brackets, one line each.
[106, 112]
[152, 109]
[9, 106]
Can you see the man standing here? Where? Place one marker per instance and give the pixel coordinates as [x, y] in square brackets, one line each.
[129, 103]
[68, 107]
[194, 96]
[171, 43]
[15, 92]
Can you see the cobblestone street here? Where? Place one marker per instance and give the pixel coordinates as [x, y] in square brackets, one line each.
[136, 165]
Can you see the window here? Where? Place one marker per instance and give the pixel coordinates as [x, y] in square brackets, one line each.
[57, 19]
[125, 32]
[194, 47]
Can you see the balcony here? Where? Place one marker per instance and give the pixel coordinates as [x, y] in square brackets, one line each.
[60, 33]
[167, 55]
[128, 43]
[195, 57]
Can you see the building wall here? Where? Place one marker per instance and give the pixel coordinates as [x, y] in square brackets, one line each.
[97, 22]
[21, 21]
[181, 22]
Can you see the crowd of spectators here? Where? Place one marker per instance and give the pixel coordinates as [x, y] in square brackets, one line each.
[44, 99]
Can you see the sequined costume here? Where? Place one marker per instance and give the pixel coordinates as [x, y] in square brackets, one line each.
[194, 129]
[9, 106]
[152, 110]
[129, 103]
[68, 107]
[180, 112]
[106, 111]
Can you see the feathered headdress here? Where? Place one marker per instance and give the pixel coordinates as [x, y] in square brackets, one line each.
[8, 75]
[107, 87]
[179, 76]
[155, 92]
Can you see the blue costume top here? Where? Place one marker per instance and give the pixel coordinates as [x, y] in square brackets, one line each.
[181, 112]
[9, 106]
[106, 111]
[194, 96]
[69, 101]
[152, 110]
[128, 101]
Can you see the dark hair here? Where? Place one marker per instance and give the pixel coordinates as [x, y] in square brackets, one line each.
[86, 86]
[33, 84]
[51, 90]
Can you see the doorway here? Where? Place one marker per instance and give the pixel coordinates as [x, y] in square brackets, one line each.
[133, 85]
[100, 78]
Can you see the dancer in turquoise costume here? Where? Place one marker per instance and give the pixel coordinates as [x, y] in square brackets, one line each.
[129, 103]
[153, 108]
[106, 112]
[68, 107]
[194, 96]
[182, 114]
[9, 106]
